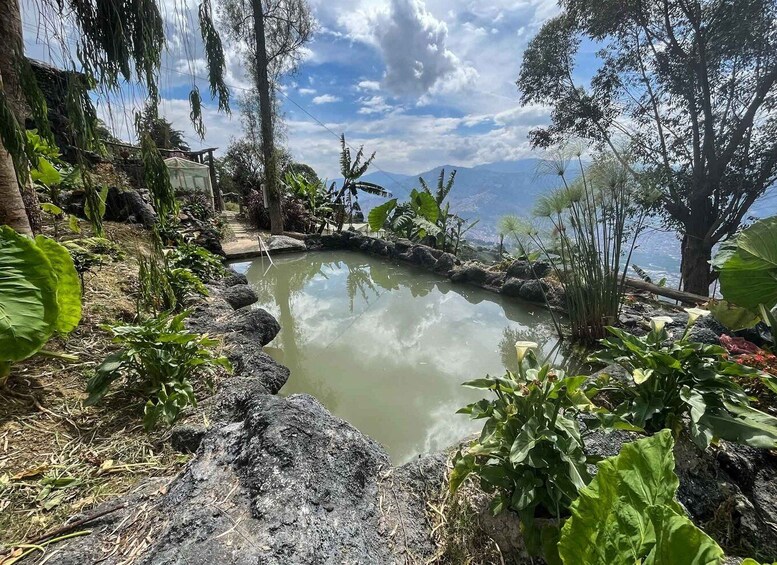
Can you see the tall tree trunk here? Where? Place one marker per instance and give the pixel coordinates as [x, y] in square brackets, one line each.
[696, 272]
[266, 111]
[11, 199]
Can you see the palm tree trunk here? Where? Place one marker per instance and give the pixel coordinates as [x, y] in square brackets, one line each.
[22, 214]
[266, 111]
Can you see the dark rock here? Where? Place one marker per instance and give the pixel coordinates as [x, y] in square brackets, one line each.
[233, 278]
[422, 255]
[304, 487]
[703, 335]
[257, 324]
[445, 264]
[428, 241]
[122, 205]
[471, 273]
[239, 295]
[313, 241]
[512, 287]
[332, 241]
[186, 438]
[533, 290]
[378, 246]
[402, 245]
[521, 269]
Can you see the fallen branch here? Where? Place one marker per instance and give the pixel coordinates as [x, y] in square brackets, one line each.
[73, 525]
[681, 295]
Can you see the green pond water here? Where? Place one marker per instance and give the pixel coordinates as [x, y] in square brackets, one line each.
[386, 346]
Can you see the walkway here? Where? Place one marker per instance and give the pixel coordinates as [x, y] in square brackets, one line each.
[245, 241]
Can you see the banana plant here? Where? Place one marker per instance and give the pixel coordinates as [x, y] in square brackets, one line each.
[353, 169]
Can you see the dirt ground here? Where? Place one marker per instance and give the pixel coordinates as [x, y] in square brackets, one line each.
[58, 457]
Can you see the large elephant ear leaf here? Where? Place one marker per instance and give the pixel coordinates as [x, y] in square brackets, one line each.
[378, 215]
[678, 540]
[748, 273]
[68, 284]
[28, 296]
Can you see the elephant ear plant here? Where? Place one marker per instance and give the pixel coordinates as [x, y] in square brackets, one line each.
[40, 295]
[674, 381]
[530, 452]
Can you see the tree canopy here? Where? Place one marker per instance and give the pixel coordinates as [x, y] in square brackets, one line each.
[686, 89]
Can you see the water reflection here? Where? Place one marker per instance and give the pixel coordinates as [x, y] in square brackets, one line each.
[386, 346]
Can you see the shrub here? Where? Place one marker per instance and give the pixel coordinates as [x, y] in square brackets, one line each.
[205, 265]
[198, 205]
[159, 359]
[530, 451]
[629, 514]
[40, 295]
[295, 215]
[674, 380]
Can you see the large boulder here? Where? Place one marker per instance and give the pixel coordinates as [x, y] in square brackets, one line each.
[521, 269]
[239, 295]
[423, 256]
[127, 205]
[285, 483]
[445, 264]
[285, 244]
[533, 290]
[512, 287]
[473, 273]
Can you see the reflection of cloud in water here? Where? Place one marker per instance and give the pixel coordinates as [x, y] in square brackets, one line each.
[390, 364]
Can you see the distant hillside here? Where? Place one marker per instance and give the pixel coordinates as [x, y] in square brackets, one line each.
[512, 187]
[486, 192]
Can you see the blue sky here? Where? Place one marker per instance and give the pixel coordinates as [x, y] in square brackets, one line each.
[423, 83]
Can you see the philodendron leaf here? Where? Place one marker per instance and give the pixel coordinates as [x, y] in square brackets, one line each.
[377, 216]
[68, 293]
[748, 275]
[733, 317]
[610, 521]
[28, 296]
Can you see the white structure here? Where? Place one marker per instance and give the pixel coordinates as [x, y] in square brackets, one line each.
[188, 176]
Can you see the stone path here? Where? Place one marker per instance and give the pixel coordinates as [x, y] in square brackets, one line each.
[245, 240]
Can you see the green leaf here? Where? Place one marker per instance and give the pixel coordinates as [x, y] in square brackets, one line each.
[45, 173]
[102, 198]
[732, 317]
[72, 222]
[52, 209]
[609, 522]
[68, 292]
[378, 215]
[28, 296]
[427, 205]
[678, 540]
[748, 276]
[640, 375]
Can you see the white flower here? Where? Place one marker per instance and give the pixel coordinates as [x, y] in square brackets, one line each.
[696, 313]
[657, 323]
[521, 347]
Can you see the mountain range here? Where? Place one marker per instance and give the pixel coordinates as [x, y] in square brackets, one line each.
[488, 192]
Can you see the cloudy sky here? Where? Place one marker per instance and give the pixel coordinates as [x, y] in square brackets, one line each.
[422, 82]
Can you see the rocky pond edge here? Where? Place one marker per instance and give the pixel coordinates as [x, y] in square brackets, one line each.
[280, 480]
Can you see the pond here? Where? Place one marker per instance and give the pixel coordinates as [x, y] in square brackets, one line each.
[386, 346]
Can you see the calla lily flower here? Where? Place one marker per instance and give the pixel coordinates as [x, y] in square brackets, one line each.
[696, 313]
[658, 322]
[521, 347]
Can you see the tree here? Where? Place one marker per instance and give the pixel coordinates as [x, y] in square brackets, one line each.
[162, 132]
[280, 28]
[685, 88]
[353, 169]
[116, 41]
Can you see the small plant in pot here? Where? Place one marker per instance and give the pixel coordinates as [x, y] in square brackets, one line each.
[530, 451]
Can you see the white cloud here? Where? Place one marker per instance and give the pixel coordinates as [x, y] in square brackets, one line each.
[373, 105]
[326, 99]
[414, 47]
[368, 85]
[307, 91]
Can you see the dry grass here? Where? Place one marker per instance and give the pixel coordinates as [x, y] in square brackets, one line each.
[58, 457]
[456, 529]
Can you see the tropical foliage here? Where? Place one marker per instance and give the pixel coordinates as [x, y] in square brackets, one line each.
[40, 295]
[629, 513]
[426, 216]
[206, 265]
[530, 452]
[352, 169]
[674, 381]
[159, 360]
